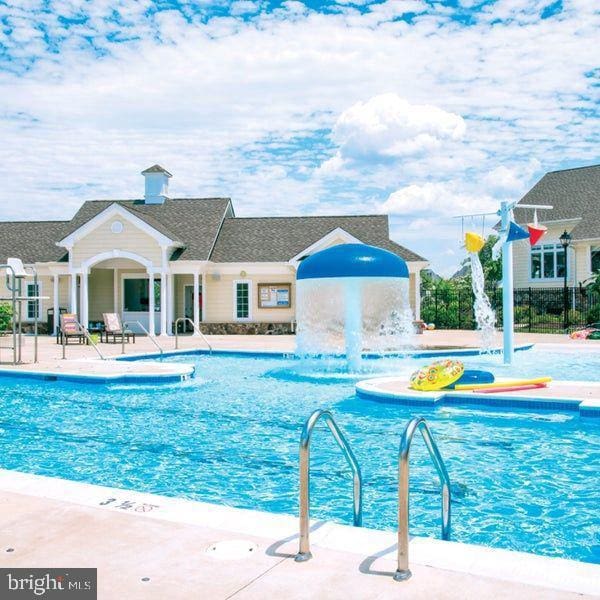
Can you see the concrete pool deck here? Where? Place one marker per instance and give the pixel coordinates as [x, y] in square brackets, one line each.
[152, 547]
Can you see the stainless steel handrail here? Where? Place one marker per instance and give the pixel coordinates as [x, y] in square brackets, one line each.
[88, 337]
[13, 290]
[150, 337]
[304, 496]
[403, 572]
[196, 329]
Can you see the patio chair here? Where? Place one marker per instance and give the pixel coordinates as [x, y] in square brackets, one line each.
[113, 328]
[70, 330]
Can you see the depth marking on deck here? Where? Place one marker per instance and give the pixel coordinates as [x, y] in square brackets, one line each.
[131, 505]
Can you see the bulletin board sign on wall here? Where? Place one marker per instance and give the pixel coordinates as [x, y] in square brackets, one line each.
[274, 295]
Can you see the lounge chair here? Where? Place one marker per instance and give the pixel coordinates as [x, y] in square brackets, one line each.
[70, 330]
[113, 328]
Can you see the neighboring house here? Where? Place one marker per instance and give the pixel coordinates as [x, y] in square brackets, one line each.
[227, 273]
[575, 197]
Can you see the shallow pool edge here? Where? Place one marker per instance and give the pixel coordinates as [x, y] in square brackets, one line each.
[586, 407]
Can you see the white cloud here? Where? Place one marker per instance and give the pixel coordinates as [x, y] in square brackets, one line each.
[436, 199]
[380, 104]
[388, 126]
[243, 7]
[513, 181]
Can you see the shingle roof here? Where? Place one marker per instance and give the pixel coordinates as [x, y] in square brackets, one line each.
[32, 241]
[192, 221]
[278, 239]
[574, 194]
[197, 223]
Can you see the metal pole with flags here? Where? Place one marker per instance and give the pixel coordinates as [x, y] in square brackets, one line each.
[509, 233]
[508, 305]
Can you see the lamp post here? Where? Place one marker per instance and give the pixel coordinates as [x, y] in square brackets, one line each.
[565, 241]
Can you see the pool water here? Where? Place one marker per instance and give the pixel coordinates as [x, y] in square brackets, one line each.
[521, 479]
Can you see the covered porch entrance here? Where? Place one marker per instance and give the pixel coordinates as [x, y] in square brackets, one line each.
[134, 291]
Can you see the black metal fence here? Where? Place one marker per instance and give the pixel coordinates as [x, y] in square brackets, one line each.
[537, 310]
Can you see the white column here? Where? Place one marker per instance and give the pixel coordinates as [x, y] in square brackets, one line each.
[171, 303]
[151, 303]
[55, 304]
[417, 295]
[163, 303]
[73, 300]
[196, 303]
[84, 309]
[116, 291]
[203, 297]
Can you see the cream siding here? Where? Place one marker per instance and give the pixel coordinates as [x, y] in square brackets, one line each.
[579, 260]
[411, 290]
[522, 262]
[47, 289]
[220, 299]
[102, 239]
[100, 292]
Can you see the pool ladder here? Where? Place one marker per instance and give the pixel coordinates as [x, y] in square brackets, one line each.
[418, 423]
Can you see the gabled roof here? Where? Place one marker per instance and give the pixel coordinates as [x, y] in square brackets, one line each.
[279, 239]
[157, 169]
[30, 240]
[193, 221]
[574, 194]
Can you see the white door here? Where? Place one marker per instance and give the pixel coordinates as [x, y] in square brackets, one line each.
[188, 304]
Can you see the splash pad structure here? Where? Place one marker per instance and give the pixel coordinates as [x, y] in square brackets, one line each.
[510, 233]
[352, 299]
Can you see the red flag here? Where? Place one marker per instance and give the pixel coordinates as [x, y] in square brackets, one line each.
[536, 233]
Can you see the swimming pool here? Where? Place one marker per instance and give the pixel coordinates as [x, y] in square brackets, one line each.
[521, 479]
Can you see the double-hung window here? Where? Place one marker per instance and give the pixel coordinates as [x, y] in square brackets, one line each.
[241, 299]
[33, 306]
[547, 262]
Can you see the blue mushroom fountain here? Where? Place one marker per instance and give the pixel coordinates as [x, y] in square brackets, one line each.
[351, 299]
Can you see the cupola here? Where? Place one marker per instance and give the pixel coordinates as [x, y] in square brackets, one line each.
[157, 184]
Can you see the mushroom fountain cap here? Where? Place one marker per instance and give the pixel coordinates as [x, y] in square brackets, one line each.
[352, 260]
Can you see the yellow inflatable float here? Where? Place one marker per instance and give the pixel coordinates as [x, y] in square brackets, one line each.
[437, 375]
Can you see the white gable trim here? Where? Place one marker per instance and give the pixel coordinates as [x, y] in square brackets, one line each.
[115, 210]
[325, 242]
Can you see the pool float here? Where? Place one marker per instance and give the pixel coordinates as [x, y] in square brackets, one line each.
[437, 375]
[473, 376]
[513, 388]
[503, 384]
[581, 334]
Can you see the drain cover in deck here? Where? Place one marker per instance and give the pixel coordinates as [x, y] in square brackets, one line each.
[232, 549]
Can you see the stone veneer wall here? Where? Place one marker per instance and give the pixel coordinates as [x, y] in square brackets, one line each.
[207, 328]
[246, 328]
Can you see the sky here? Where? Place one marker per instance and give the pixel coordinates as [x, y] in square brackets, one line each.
[420, 109]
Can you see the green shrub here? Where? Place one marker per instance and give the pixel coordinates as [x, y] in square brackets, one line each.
[5, 316]
[594, 314]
